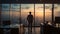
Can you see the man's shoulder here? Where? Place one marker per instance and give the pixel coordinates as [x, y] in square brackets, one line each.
[30, 15]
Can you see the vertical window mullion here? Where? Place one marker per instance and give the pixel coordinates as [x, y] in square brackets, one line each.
[20, 19]
[20, 15]
[9, 12]
[44, 14]
[53, 14]
[34, 14]
[0, 14]
[34, 17]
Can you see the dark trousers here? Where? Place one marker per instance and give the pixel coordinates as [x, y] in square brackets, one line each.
[30, 28]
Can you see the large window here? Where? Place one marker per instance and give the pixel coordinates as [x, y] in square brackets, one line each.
[38, 14]
[19, 12]
[56, 12]
[10, 12]
[48, 13]
[25, 9]
[15, 13]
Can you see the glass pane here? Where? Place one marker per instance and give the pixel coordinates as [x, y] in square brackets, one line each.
[15, 13]
[5, 7]
[15, 7]
[48, 13]
[5, 14]
[57, 13]
[56, 10]
[25, 9]
[38, 14]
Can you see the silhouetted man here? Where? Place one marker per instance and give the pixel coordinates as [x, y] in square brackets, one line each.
[30, 20]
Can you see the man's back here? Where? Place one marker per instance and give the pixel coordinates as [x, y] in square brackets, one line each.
[30, 18]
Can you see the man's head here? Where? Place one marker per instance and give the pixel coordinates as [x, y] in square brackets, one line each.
[29, 12]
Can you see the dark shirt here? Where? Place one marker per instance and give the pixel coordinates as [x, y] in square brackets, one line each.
[30, 18]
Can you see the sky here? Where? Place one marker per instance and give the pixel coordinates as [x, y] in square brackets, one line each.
[13, 11]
